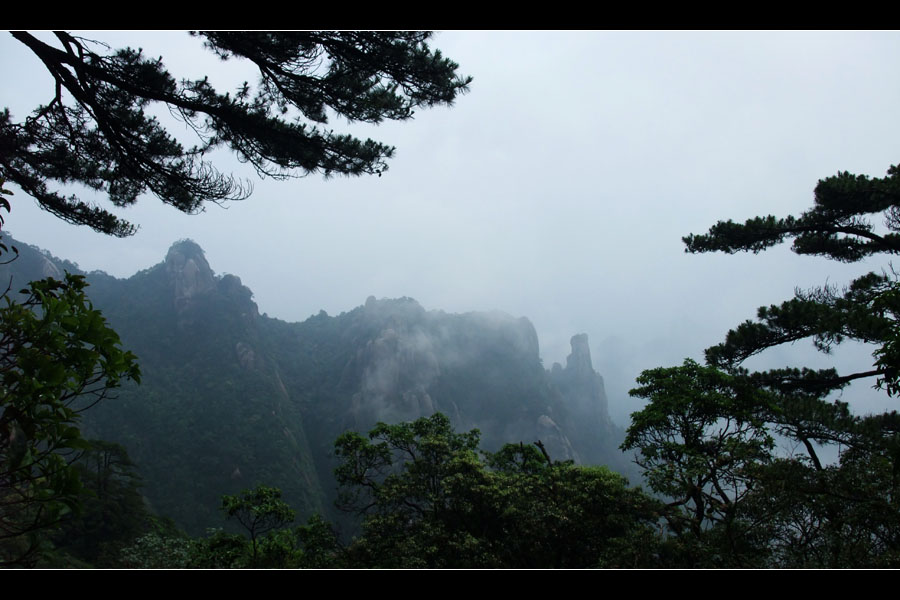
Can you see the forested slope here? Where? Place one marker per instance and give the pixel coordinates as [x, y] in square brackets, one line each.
[230, 398]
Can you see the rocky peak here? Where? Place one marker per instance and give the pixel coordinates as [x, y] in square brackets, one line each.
[395, 310]
[188, 271]
[581, 386]
[579, 361]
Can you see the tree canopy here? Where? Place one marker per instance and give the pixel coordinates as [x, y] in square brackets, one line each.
[697, 437]
[94, 130]
[57, 357]
[430, 500]
[867, 310]
[836, 227]
[707, 437]
[259, 511]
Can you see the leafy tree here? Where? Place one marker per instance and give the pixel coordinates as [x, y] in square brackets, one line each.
[407, 483]
[313, 545]
[429, 500]
[4, 205]
[700, 440]
[57, 358]
[219, 550]
[319, 545]
[112, 514]
[706, 440]
[557, 514]
[157, 550]
[94, 129]
[259, 510]
[839, 515]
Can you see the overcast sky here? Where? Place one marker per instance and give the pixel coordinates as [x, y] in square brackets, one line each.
[558, 189]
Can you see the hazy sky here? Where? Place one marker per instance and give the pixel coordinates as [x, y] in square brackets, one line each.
[558, 189]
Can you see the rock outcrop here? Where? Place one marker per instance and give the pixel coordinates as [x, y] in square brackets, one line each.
[50, 269]
[482, 369]
[584, 398]
[398, 366]
[581, 385]
[188, 272]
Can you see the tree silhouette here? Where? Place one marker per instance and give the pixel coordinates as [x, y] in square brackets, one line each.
[94, 130]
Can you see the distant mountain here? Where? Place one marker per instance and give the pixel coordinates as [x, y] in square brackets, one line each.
[231, 398]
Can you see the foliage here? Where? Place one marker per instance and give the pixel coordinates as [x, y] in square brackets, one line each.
[220, 550]
[700, 441]
[836, 227]
[313, 545]
[706, 423]
[112, 514]
[839, 515]
[103, 138]
[4, 205]
[319, 545]
[429, 500]
[258, 510]
[867, 311]
[706, 440]
[57, 358]
[557, 514]
[887, 306]
[698, 438]
[155, 550]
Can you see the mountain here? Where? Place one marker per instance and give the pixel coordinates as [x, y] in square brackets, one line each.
[231, 398]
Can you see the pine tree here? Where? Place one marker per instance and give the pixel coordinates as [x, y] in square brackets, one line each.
[94, 130]
[837, 227]
[795, 510]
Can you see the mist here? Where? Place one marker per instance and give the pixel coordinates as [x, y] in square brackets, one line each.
[558, 189]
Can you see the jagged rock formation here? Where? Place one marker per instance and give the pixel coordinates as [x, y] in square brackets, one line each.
[584, 396]
[231, 398]
[391, 360]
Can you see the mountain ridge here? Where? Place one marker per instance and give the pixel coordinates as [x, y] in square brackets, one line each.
[231, 398]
